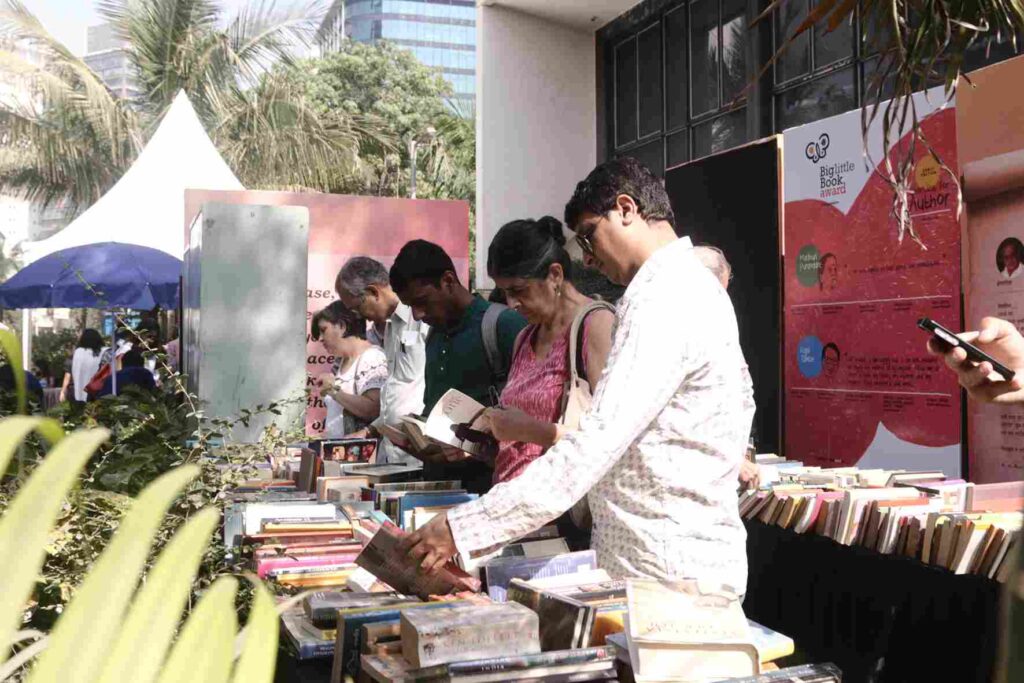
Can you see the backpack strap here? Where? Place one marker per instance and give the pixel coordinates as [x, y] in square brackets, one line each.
[576, 359]
[497, 363]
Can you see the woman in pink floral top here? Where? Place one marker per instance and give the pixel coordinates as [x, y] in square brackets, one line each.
[528, 260]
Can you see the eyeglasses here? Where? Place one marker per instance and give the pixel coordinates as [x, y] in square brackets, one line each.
[584, 239]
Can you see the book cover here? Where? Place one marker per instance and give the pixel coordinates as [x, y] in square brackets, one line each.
[499, 572]
[302, 641]
[321, 607]
[382, 558]
[564, 623]
[431, 637]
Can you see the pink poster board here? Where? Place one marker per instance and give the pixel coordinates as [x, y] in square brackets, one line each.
[343, 226]
[990, 134]
[859, 386]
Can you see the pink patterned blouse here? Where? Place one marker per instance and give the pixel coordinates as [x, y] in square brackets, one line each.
[534, 386]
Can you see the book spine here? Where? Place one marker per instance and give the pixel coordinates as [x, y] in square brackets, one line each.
[561, 658]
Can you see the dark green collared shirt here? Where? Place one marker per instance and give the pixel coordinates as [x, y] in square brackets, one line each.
[456, 358]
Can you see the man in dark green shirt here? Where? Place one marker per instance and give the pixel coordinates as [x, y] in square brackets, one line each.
[424, 278]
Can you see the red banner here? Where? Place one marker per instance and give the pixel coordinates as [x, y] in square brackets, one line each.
[859, 385]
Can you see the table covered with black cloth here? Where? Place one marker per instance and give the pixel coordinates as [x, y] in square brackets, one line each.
[878, 617]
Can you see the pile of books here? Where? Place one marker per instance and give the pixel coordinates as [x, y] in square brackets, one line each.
[966, 528]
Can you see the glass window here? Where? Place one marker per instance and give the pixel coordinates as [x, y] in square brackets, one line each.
[650, 155]
[720, 134]
[818, 99]
[677, 148]
[676, 80]
[734, 49]
[704, 56]
[795, 60]
[625, 93]
[831, 46]
[649, 57]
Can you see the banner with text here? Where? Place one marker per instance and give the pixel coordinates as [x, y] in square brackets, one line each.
[343, 226]
[990, 138]
[860, 387]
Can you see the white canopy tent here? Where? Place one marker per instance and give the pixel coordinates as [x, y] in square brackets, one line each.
[147, 205]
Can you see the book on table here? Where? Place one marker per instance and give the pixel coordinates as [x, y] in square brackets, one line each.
[383, 558]
[432, 637]
[687, 630]
[438, 429]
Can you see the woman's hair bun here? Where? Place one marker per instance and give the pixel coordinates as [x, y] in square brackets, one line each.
[553, 227]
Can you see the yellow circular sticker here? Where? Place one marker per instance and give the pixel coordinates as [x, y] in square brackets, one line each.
[926, 173]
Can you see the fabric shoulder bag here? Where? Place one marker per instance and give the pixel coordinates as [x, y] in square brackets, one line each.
[577, 394]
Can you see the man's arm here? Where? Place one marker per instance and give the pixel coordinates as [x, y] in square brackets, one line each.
[650, 358]
[1001, 340]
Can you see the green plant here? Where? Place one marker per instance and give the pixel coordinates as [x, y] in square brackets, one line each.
[51, 350]
[77, 139]
[112, 630]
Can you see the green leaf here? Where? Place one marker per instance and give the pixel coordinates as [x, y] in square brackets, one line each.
[204, 651]
[12, 349]
[13, 431]
[149, 628]
[84, 632]
[259, 650]
[29, 518]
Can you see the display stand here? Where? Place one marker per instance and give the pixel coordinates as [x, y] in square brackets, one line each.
[878, 617]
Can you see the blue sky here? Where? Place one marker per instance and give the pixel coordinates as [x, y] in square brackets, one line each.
[68, 19]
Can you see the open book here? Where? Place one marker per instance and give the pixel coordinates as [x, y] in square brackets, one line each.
[454, 409]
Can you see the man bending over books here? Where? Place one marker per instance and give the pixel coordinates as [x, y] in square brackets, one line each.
[659, 452]
[457, 354]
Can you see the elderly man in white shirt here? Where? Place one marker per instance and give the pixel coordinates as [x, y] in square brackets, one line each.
[658, 455]
[362, 285]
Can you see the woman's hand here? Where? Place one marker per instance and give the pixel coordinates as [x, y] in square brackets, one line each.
[325, 383]
[512, 424]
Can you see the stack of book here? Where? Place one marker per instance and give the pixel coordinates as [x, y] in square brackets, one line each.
[966, 528]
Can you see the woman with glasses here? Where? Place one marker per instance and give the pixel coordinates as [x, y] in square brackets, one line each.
[351, 391]
[527, 259]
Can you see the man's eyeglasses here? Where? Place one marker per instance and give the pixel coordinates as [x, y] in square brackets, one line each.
[583, 239]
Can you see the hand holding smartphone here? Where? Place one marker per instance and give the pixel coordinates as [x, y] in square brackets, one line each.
[948, 340]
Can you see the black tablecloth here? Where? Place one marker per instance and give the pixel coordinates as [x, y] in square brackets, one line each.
[878, 617]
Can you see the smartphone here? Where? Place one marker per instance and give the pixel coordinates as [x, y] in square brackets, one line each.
[949, 340]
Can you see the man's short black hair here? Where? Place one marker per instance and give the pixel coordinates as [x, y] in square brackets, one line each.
[420, 260]
[336, 313]
[597, 192]
[830, 346]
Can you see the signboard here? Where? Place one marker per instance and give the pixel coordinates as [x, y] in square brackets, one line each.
[343, 226]
[859, 385]
[990, 136]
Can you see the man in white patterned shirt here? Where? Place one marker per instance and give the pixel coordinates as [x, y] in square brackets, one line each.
[659, 453]
[362, 285]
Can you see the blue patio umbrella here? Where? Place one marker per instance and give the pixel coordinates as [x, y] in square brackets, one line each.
[103, 275]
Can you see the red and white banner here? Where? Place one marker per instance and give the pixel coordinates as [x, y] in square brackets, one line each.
[859, 386]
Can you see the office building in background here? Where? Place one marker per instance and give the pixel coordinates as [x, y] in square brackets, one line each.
[441, 33]
[106, 54]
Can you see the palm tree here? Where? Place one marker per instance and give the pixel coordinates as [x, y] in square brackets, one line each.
[74, 138]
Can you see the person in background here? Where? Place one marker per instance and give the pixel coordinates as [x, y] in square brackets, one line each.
[714, 260]
[828, 275]
[351, 391]
[424, 278]
[173, 351]
[33, 387]
[528, 262]
[1003, 341]
[84, 363]
[133, 373]
[363, 286]
[660, 449]
[1008, 258]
